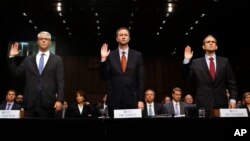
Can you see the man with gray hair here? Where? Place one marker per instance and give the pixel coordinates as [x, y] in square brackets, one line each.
[44, 89]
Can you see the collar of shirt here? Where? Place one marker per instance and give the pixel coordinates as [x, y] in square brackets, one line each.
[11, 103]
[152, 104]
[120, 52]
[46, 57]
[174, 102]
[208, 61]
[207, 57]
[47, 53]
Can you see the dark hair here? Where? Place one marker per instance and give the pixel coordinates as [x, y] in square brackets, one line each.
[82, 93]
[12, 90]
[121, 28]
[176, 89]
[209, 36]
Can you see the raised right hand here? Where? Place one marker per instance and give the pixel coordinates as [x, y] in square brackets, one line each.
[14, 50]
[188, 53]
[104, 52]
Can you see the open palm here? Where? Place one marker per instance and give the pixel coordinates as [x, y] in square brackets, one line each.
[14, 50]
[104, 51]
[188, 53]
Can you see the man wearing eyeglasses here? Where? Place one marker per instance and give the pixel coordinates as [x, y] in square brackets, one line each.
[44, 89]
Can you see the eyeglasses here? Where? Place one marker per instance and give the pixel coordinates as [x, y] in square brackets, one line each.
[46, 39]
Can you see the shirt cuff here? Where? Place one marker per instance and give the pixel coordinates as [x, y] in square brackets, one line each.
[186, 61]
[233, 101]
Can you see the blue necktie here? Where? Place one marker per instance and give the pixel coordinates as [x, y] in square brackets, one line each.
[150, 111]
[41, 64]
[177, 112]
[8, 107]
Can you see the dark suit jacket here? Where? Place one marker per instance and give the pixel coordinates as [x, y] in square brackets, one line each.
[14, 107]
[211, 94]
[124, 90]
[157, 108]
[86, 112]
[169, 108]
[49, 87]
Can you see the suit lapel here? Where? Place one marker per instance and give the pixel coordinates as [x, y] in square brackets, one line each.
[129, 59]
[218, 65]
[48, 63]
[204, 65]
[35, 65]
[117, 60]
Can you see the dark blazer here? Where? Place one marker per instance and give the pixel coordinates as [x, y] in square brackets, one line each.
[157, 108]
[74, 111]
[14, 107]
[124, 90]
[169, 108]
[211, 94]
[48, 87]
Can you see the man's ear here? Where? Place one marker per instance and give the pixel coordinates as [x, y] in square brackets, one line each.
[216, 47]
[203, 47]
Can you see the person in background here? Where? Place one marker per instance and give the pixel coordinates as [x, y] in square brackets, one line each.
[189, 99]
[166, 100]
[9, 103]
[81, 109]
[152, 108]
[176, 107]
[19, 100]
[246, 102]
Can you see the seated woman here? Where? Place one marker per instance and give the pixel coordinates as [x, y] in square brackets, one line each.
[81, 109]
[246, 102]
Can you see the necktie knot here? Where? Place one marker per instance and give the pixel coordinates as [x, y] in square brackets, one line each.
[41, 63]
[8, 106]
[211, 59]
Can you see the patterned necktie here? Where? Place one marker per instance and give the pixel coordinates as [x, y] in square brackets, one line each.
[8, 107]
[41, 64]
[177, 112]
[123, 62]
[212, 67]
[150, 111]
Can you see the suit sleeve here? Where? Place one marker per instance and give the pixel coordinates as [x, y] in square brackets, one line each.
[60, 81]
[14, 69]
[231, 82]
[186, 70]
[105, 69]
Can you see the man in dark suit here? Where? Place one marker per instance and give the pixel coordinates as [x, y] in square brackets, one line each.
[213, 75]
[176, 107]
[44, 89]
[9, 103]
[152, 108]
[123, 69]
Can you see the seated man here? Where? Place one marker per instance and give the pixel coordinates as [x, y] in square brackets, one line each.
[176, 106]
[9, 103]
[151, 108]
